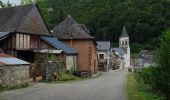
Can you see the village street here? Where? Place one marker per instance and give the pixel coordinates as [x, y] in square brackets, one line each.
[109, 86]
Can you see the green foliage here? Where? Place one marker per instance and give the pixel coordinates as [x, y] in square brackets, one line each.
[163, 74]
[148, 77]
[138, 90]
[26, 2]
[5, 87]
[66, 77]
[145, 20]
[39, 58]
[5, 5]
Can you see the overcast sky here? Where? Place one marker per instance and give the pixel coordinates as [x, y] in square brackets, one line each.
[17, 2]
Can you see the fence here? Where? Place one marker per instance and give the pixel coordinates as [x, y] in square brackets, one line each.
[48, 71]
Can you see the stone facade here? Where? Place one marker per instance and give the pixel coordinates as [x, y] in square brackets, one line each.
[14, 74]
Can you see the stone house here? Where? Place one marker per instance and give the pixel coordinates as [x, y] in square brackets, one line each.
[13, 71]
[144, 59]
[77, 36]
[23, 32]
[103, 53]
[124, 48]
[118, 58]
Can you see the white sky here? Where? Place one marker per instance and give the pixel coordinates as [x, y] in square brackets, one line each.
[17, 2]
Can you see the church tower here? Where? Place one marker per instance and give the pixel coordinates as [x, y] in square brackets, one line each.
[124, 44]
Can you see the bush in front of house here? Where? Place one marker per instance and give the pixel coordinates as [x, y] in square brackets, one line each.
[66, 77]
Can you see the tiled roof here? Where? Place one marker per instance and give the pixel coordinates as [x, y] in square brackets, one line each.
[70, 29]
[25, 18]
[103, 45]
[59, 45]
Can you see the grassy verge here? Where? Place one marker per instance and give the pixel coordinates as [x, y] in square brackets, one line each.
[5, 88]
[66, 77]
[138, 91]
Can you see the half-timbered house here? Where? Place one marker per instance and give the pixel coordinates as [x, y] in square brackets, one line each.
[23, 33]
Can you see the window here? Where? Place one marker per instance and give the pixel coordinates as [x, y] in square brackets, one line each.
[126, 43]
[122, 43]
[101, 56]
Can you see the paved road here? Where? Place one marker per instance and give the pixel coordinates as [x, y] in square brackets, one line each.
[109, 86]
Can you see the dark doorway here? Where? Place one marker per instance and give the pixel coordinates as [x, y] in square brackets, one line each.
[26, 55]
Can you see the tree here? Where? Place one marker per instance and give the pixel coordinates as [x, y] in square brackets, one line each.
[26, 2]
[145, 19]
[4, 5]
[163, 74]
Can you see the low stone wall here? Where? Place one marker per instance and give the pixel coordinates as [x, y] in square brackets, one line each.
[14, 75]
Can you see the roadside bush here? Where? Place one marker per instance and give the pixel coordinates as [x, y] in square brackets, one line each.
[147, 76]
[158, 77]
[66, 77]
[138, 90]
[163, 72]
[5, 87]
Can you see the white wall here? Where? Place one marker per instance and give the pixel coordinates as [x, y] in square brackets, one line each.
[71, 62]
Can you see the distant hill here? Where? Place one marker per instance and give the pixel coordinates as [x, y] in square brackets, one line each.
[144, 19]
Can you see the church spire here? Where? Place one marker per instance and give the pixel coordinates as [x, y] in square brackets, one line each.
[124, 33]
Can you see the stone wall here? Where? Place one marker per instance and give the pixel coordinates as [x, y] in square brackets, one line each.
[14, 75]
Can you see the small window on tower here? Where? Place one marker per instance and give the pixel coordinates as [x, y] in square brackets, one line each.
[122, 42]
[126, 43]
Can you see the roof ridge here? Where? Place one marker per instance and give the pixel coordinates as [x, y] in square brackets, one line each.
[69, 28]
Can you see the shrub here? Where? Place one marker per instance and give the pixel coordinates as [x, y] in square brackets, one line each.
[5, 87]
[66, 77]
[163, 73]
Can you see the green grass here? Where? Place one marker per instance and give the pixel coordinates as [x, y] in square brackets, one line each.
[5, 88]
[138, 91]
[67, 78]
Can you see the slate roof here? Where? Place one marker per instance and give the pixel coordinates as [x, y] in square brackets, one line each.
[119, 51]
[59, 45]
[124, 33]
[70, 29]
[103, 45]
[147, 56]
[3, 35]
[25, 18]
[9, 60]
[13, 61]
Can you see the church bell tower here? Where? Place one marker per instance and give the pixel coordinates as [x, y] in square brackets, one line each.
[124, 44]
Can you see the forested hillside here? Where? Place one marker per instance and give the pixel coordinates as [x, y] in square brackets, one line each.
[144, 19]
